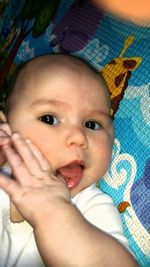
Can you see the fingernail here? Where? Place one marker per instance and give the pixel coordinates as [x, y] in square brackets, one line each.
[2, 134]
[15, 135]
[28, 141]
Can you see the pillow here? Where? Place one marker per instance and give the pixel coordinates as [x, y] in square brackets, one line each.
[121, 52]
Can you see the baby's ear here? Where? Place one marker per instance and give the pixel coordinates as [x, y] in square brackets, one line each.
[2, 117]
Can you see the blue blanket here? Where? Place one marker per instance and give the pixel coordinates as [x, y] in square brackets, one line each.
[121, 52]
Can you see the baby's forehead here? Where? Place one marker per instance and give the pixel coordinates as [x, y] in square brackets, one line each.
[44, 68]
[56, 63]
[49, 67]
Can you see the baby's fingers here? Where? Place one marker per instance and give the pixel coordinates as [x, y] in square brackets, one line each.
[25, 152]
[21, 173]
[6, 128]
[4, 138]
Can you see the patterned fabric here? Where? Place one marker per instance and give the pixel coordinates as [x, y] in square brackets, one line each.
[121, 52]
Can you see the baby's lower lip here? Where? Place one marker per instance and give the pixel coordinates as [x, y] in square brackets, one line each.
[71, 182]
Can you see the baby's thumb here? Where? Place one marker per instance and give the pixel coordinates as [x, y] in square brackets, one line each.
[4, 138]
[5, 129]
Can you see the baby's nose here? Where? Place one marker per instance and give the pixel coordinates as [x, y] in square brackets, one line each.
[76, 136]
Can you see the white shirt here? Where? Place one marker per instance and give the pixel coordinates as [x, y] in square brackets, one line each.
[17, 244]
[99, 209]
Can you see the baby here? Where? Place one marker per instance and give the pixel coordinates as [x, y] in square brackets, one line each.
[57, 137]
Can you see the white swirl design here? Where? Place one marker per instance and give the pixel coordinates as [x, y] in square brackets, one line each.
[115, 180]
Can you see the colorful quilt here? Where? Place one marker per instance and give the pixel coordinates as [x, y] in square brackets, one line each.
[121, 52]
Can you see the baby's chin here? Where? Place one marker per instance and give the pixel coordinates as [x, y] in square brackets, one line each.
[78, 189]
[15, 216]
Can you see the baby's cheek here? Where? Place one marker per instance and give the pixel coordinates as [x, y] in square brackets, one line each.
[103, 156]
[43, 146]
[39, 139]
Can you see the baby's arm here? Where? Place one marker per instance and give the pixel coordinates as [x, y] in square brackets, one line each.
[64, 237]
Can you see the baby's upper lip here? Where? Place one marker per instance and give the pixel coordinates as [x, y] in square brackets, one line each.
[71, 163]
[76, 162]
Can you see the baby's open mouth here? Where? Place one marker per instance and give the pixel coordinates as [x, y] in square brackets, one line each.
[72, 174]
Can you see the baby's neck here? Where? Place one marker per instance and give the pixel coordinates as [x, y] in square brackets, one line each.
[15, 215]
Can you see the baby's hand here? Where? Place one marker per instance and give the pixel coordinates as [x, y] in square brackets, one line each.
[35, 191]
[5, 133]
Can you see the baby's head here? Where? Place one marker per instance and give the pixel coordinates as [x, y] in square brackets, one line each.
[62, 105]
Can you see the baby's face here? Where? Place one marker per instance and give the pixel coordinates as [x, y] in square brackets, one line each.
[66, 114]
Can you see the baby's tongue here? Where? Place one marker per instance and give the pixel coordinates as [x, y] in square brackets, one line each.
[72, 174]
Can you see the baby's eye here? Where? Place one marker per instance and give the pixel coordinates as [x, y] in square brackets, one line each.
[93, 125]
[49, 119]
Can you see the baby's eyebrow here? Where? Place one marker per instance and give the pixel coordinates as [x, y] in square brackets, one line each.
[100, 113]
[57, 103]
[45, 101]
